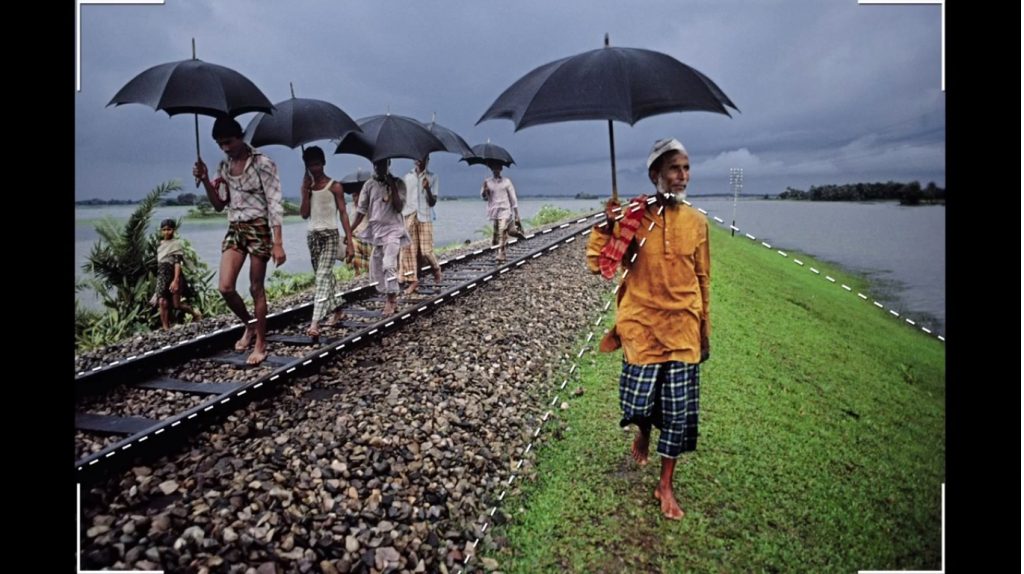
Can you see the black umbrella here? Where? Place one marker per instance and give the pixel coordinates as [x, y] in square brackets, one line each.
[388, 136]
[488, 152]
[353, 182]
[298, 121]
[194, 87]
[452, 141]
[623, 84]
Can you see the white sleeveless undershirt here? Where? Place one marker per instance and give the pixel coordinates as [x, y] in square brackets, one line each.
[323, 212]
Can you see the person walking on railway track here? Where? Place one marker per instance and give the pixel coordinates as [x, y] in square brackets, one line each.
[421, 194]
[323, 201]
[171, 284]
[362, 251]
[501, 205]
[247, 184]
[662, 318]
[380, 202]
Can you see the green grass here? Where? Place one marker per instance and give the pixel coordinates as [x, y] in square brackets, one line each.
[821, 447]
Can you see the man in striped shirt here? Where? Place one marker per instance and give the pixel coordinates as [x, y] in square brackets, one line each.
[248, 185]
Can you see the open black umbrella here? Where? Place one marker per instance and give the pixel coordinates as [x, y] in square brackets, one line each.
[194, 87]
[488, 152]
[389, 136]
[452, 141]
[353, 182]
[623, 84]
[298, 121]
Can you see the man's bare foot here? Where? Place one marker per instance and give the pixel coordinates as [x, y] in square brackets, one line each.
[412, 287]
[313, 331]
[246, 340]
[196, 315]
[257, 355]
[389, 308]
[641, 446]
[669, 507]
[437, 275]
[336, 319]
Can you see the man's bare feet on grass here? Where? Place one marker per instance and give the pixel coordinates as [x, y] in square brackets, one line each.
[669, 507]
[641, 447]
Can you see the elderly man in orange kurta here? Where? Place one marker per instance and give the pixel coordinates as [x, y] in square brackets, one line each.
[662, 322]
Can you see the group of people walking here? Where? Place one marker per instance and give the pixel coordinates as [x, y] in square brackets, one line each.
[389, 234]
[662, 321]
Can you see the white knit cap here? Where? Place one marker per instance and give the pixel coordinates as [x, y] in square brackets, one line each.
[663, 146]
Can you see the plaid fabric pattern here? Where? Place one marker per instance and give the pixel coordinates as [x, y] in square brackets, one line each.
[420, 248]
[361, 257]
[253, 194]
[500, 235]
[611, 254]
[323, 250]
[252, 237]
[665, 395]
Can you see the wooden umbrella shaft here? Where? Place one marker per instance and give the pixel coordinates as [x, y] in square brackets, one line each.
[611, 141]
[196, 120]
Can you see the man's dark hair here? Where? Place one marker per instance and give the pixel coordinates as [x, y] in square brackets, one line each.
[226, 127]
[313, 153]
[169, 223]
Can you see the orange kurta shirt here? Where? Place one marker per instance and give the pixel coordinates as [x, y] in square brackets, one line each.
[664, 302]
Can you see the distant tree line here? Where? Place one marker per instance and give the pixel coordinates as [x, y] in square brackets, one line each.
[183, 199]
[907, 193]
[95, 201]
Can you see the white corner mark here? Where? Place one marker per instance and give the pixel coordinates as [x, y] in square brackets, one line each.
[942, 4]
[78, 30]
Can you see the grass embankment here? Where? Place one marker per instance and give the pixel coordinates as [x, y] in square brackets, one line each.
[821, 450]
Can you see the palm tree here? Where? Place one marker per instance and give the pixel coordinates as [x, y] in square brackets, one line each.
[119, 257]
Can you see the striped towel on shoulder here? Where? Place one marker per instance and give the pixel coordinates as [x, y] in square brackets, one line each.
[615, 249]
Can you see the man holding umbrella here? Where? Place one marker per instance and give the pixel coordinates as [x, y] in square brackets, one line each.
[502, 204]
[248, 185]
[662, 321]
[421, 195]
[380, 203]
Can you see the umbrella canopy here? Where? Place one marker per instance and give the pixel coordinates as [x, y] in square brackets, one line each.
[389, 136]
[622, 84]
[487, 152]
[354, 181]
[298, 121]
[452, 141]
[193, 87]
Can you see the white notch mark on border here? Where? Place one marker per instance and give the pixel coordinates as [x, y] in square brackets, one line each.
[78, 31]
[942, 24]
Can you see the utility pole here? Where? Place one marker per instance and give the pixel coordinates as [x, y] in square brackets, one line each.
[736, 181]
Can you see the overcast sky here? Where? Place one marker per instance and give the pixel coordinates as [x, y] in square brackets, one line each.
[829, 91]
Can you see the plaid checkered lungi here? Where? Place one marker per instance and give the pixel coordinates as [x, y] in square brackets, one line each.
[420, 248]
[665, 395]
[361, 257]
[323, 250]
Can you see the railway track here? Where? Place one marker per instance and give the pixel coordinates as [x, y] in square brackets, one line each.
[146, 405]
